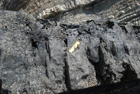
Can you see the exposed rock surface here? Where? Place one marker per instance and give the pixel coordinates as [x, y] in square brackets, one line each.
[35, 56]
[44, 8]
[69, 46]
[77, 11]
[123, 10]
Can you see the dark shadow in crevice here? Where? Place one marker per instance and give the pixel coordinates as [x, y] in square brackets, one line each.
[137, 29]
[25, 91]
[123, 28]
[34, 43]
[67, 75]
[3, 91]
[66, 69]
[126, 50]
[65, 26]
[110, 24]
[101, 68]
[129, 74]
[66, 42]
[48, 47]
[0, 51]
[96, 66]
[46, 72]
[117, 88]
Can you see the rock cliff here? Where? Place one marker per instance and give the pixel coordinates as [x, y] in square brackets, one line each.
[75, 49]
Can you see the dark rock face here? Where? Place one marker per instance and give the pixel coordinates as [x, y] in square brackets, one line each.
[45, 57]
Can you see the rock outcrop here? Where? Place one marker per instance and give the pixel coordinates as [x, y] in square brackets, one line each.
[77, 11]
[36, 56]
[44, 8]
[69, 46]
[123, 11]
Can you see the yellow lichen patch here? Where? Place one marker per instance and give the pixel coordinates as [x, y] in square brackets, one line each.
[72, 49]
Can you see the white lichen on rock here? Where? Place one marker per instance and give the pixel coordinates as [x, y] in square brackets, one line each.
[72, 49]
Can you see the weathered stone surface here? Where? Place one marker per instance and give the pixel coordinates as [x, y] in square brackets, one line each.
[77, 11]
[122, 10]
[44, 8]
[25, 64]
[35, 56]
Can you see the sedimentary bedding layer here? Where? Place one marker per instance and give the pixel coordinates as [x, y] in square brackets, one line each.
[44, 8]
[126, 11]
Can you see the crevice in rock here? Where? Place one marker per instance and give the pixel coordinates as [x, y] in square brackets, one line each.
[47, 23]
[47, 73]
[129, 74]
[85, 77]
[25, 91]
[66, 42]
[67, 75]
[48, 48]
[137, 29]
[126, 50]
[48, 51]
[0, 51]
[3, 91]
[66, 69]
[110, 24]
[100, 65]
[34, 44]
[104, 69]
[27, 24]
[65, 26]
[117, 88]
[103, 74]
[124, 29]
[95, 64]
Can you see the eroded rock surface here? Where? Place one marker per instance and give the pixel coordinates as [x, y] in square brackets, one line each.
[77, 11]
[127, 11]
[44, 8]
[35, 56]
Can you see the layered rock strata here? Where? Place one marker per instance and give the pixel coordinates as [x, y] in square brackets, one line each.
[44, 8]
[126, 11]
[123, 11]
